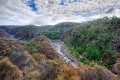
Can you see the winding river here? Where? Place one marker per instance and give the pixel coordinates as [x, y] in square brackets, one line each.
[63, 53]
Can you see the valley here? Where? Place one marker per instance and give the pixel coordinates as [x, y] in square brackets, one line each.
[59, 39]
[65, 51]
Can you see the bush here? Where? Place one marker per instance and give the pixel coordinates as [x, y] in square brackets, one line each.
[8, 71]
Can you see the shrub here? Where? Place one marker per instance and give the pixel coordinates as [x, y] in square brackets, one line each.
[8, 71]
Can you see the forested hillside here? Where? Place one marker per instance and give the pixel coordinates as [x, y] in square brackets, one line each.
[27, 32]
[96, 41]
[31, 55]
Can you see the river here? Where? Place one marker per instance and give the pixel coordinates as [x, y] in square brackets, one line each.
[12, 37]
[63, 53]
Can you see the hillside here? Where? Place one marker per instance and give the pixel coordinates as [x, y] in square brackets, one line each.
[27, 32]
[57, 30]
[42, 63]
[94, 46]
[95, 41]
[4, 33]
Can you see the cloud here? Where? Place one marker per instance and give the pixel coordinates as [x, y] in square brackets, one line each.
[43, 12]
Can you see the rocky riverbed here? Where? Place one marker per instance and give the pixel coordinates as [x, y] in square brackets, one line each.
[63, 53]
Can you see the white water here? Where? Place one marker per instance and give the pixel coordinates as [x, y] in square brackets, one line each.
[12, 37]
[62, 52]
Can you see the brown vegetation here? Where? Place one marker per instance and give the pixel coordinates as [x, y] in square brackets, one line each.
[45, 47]
[43, 64]
[26, 32]
[4, 33]
[68, 73]
[85, 73]
[116, 68]
[15, 51]
[8, 71]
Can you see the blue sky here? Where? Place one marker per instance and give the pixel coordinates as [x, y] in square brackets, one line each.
[31, 3]
[45, 12]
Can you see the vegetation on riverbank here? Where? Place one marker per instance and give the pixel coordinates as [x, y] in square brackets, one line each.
[96, 40]
[33, 57]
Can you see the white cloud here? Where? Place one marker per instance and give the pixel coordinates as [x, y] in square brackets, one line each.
[50, 12]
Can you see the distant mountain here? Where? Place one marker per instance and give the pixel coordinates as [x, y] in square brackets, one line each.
[64, 25]
[31, 31]
[56, 31]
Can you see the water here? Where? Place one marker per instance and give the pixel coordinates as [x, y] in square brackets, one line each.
[63, 54]
[12, 37]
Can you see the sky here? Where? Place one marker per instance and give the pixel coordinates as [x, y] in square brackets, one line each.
[50, 12]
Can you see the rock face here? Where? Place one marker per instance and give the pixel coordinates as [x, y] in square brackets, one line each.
[4, 34]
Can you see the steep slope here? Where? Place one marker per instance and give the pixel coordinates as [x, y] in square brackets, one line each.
[57, 30]
[26, 32]
[95, 41]
[4, 34]
[43, 63]
[15, 51]
[31, 31]
[9, 71]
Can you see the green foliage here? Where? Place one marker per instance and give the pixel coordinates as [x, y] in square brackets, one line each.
[93, 40]
[32, 45]
[52, 34]
[56, 31]
[84, 60]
